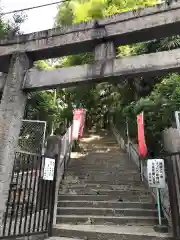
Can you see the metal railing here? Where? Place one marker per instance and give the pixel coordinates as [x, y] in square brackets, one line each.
[134, 156]
[129, 148]
[66, 148]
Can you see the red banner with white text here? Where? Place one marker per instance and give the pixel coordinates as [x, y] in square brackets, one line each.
[78, 123]
[82, 123]
[141, 137]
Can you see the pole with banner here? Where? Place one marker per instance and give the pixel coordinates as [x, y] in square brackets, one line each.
[128, 140]
[82, 123]
[142, 148]
[78, 123]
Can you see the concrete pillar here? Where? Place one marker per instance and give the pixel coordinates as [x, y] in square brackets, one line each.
[11, 113]
[105, 51]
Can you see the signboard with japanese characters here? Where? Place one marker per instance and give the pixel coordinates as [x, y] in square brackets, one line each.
[156, 173]
[49, 165]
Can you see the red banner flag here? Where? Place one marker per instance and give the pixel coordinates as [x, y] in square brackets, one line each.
[82, 123]
[78, 123]
[141, 138]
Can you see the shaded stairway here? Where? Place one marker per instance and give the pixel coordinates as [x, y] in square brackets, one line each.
[102, 196]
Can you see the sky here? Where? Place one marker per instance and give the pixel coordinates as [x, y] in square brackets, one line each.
[38, 19]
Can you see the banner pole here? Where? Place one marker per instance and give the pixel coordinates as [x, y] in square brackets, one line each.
[158, 206]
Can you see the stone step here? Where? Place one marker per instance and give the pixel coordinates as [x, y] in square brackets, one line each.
[111, 182]
[94, 158]
[122, 220]
[72, 179]
[118, 212]
[106, 176]
[105, 187]
[113, 193]
[118, 193]
[122, 176]
[92, 173]
[62, 238]
[90, 191]
[104, 204]
[103, 167]
[121, 198]
[107, 179]
[94, 232]
[125, 170]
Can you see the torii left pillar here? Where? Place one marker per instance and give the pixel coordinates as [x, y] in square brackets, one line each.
[11, 113]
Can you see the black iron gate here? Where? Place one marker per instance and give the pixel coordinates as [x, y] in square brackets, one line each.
[30, 204]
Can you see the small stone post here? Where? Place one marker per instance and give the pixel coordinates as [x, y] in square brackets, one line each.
[11, 113]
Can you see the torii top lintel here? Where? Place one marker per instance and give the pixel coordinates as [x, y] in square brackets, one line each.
[125, 28]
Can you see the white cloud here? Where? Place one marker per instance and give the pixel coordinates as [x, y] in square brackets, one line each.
[38, 19]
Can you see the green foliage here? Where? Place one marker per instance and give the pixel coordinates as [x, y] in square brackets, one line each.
[76, 11]
[65, 14]
[42, 65]
[40, 106]
[158, 108]
[2, 28]
[11, 28]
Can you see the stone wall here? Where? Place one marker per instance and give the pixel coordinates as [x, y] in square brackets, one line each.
[171, 140]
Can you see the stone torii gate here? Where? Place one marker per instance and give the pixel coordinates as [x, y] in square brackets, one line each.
[102, 37]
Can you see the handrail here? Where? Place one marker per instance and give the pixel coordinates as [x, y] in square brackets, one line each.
[66, 147]
[131, 146]
[130, 143]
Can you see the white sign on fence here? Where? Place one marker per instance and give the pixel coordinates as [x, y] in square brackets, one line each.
[156, 173]
[49, 165]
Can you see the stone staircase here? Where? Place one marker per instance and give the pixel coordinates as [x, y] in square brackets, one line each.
[102, 196]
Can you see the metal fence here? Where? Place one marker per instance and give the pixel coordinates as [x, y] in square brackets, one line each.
[32, 136]
[30, 198]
